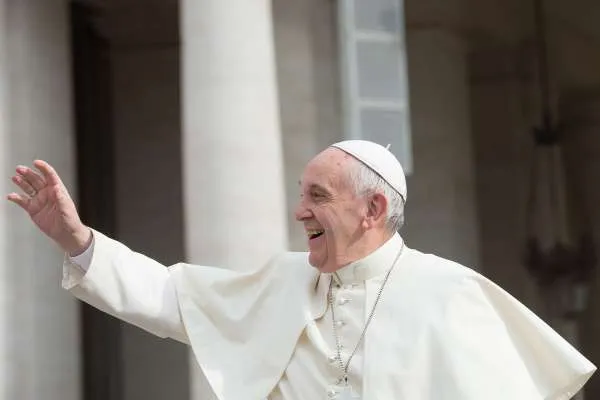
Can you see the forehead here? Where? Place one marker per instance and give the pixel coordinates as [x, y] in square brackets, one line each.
[328, 168]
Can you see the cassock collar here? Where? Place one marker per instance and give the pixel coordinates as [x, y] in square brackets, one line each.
[373, 265]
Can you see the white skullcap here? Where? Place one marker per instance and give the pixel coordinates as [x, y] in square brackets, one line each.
[379, 159]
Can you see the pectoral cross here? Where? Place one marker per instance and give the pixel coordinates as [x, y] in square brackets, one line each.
[346, 393]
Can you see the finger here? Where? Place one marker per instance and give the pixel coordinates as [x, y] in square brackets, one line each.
[32, 177]
[48, 172]
[19, 199]
[24, 185]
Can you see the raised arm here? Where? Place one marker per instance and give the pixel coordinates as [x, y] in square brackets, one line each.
[123, 283]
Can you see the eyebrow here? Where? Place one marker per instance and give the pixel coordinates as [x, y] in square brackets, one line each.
[315, 186]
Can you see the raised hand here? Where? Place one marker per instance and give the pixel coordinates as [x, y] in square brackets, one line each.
[47, 201]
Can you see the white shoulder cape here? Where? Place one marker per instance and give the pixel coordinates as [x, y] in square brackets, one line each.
[441, 332]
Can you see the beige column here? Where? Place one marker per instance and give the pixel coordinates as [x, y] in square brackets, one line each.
[234, 199]
[39, 343]
[442, 208]
[296, 72]
[5, 170]
[308, 83]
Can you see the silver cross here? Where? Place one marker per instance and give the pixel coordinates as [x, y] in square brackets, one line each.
[347, 394]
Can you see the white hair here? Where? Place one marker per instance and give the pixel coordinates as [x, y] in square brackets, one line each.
[367, 182]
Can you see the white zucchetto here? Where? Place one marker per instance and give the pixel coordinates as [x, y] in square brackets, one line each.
[379, 159]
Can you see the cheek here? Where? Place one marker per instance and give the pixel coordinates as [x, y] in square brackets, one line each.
[338, 224]
[323, 215]
[353, 213]
[344, 216]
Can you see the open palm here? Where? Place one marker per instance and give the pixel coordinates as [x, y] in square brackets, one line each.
[47, 201]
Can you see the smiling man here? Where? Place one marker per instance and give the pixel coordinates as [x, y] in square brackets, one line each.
[361, 316]
[347, 209]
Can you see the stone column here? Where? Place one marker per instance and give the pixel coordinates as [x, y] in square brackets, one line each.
[6, 389]
[442, 208]
[145, 116]
[39, 342]
[583, 145]
[296, 71]
[503, 114]
[307, 71]
[232, 164]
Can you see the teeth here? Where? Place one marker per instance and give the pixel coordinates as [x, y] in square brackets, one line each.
[313, 232]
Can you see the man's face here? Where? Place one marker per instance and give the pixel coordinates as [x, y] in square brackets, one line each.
[331, 212]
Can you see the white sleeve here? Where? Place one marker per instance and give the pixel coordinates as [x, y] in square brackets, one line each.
[84, 259]
[126, 285]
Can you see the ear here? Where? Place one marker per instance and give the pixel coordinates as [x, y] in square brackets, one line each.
[376, 210]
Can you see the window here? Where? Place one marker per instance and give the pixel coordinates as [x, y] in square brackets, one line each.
[374, 74]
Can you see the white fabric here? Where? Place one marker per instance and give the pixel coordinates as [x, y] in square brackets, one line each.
[313, 369]
[441, 331]
[127, 285]
[84, 259]
[379, 159]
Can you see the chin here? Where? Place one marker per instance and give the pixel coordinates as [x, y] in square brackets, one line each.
[312, 260]
[316, 261]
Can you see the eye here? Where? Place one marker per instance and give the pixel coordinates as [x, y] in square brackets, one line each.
[317, 195]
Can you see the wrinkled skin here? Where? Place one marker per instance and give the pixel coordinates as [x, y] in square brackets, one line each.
[353, 225]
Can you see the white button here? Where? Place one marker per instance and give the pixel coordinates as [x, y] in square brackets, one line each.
[350, 286]
[343, 300]
[332, 358]
[331, 393]
[339, 324]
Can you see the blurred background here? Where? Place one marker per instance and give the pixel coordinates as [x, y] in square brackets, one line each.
[182, 128]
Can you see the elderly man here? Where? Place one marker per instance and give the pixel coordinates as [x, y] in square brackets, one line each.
[373, 319]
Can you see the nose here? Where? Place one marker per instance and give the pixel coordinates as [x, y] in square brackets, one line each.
[302, 212]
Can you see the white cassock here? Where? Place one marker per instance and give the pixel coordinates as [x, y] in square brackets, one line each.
[440, 331]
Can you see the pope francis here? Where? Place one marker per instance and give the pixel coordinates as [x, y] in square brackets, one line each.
[360, 316]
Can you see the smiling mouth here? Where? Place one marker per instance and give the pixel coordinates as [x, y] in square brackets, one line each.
[313, 234]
